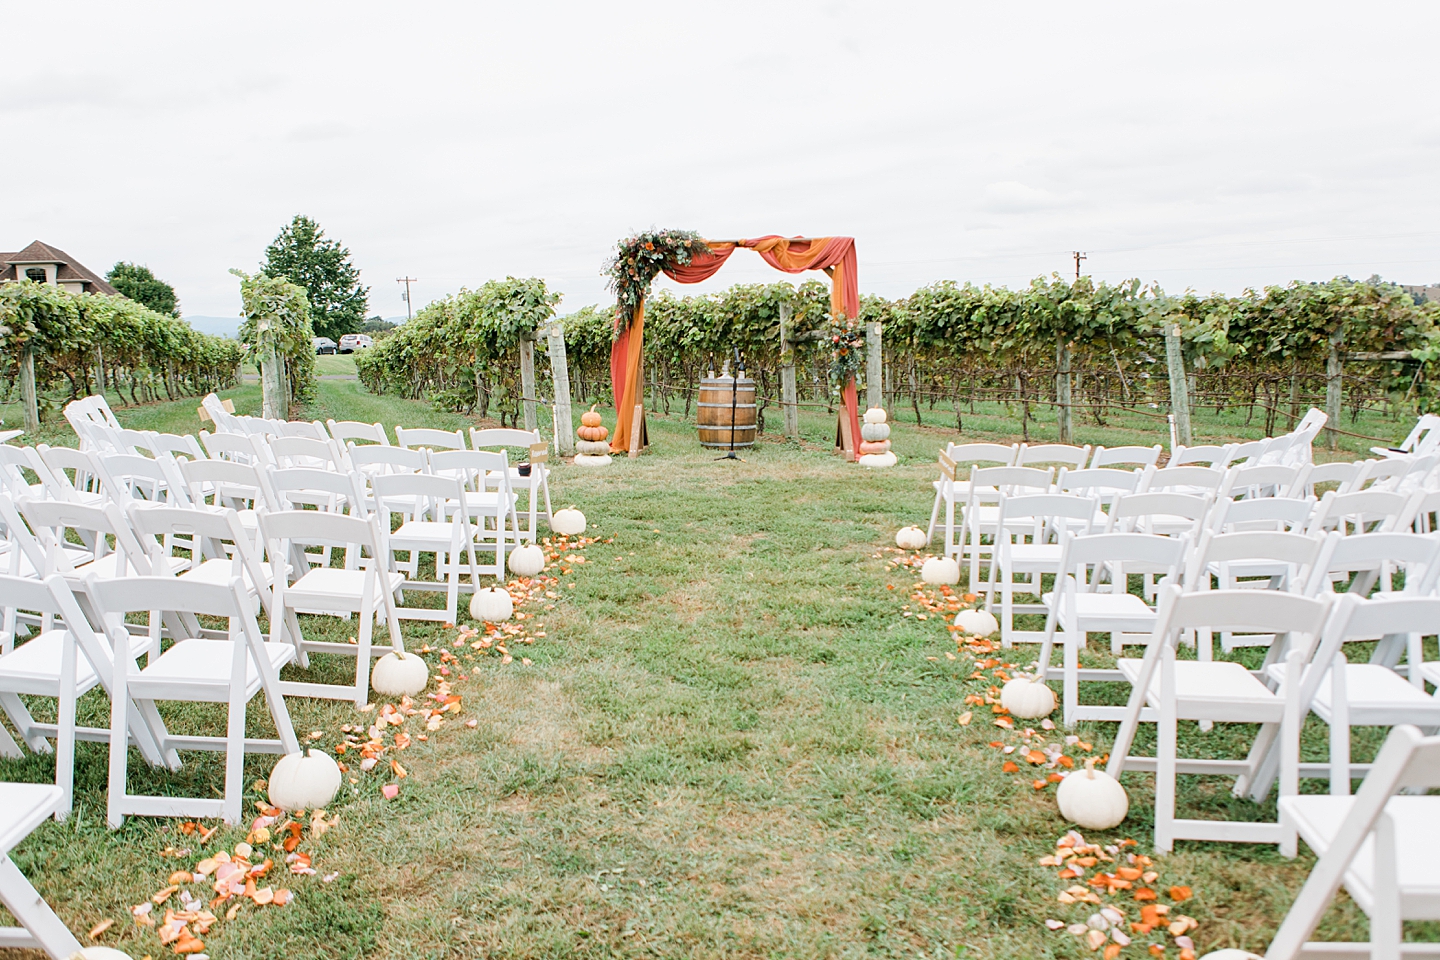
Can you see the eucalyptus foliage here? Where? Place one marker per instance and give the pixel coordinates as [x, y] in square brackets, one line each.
[277, 314]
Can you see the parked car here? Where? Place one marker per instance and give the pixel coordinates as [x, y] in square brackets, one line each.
[355, 341]
[323, 345]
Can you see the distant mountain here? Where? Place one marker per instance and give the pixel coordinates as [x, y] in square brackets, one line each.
[218, 326]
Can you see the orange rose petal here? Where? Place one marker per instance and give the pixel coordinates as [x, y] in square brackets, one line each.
[1112, 951]
[1010, 766]
[1180, 894]
[1156, 950]
[1144, 893]
[1039, 784]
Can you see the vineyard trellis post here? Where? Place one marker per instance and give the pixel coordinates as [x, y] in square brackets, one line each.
[873, 360]
[27, 391]
[1334, 385]
[560, 376]
[527, 381]
[788, 398]
[1179, 385]
[273, 403]
[1062, 391]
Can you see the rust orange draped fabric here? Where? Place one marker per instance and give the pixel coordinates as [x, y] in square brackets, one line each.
[836, 254]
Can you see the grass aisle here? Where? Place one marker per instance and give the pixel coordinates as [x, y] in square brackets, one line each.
[729, 744]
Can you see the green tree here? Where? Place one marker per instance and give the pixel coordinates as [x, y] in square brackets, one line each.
[139, 284]
[302, 255]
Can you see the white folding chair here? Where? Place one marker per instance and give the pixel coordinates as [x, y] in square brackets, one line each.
[1340, 473]
[126, 476]
[1365, 511]
[1248, 454]
[1101, 482]
[376, 459]
[196, 670]
[1134, 457]
[1185, 479]
[307, 453]
[346, 432]
[980, 511]
[1027, 548]
[1053, 454]
[1422, 438]
[951, 490]
[1261, 513]
[1209, 455]
[181, 446]
[70, 475]
[23, 807]
[54, 521]
[368, 588]
[1078, 607]
[1255, 560]
[14, 461]
[63, 662]
[239, 447]
[536, 476]
[1216, 691]
[222, 417]
[1264, 480]
[1347, 695]
[1378, 845]
[219, 548]
[420, 500]
[429, 438]
[485, 475]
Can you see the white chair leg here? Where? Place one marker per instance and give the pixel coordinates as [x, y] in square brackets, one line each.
[1071, 681]
[65, 732]
[24, 724]
[934, 517]
[1386, 931]
[1166, 734]
[119, 724]
[1339, 730]
[363, 638]
[25, 903]
[235, 734]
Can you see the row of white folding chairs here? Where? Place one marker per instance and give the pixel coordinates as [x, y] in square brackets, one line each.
[1200, 504]
[1091, 594]
[1307, 672]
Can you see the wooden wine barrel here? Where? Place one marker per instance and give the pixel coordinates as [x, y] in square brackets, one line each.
[714, 411]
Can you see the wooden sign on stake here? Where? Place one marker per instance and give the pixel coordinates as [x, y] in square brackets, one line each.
[539, 452]
[228, 405]
[844, 442]
[637, 427]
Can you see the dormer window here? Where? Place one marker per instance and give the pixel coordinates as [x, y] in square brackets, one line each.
[37, 274]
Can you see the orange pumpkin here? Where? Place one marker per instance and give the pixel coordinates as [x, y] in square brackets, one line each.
[592, 432]
[590, 418]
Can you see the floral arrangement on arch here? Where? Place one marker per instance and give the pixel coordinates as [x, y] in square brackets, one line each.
[847, 349]
[639, 259]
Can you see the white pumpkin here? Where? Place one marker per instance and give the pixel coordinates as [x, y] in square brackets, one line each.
[878, 460]
[568, 522]
[399, 675]
[492, 605]
[1027, 698]
[977, 623]
[99, 953]
[911, 538]
[874, 431]
[940, 570]
[584, 460]
[875, 415]
[527, 561]
[1092, 798]
[593, 448]
[301, 782]
[1230, 953]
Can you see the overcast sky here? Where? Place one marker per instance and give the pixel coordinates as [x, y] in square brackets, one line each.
[1207, 145]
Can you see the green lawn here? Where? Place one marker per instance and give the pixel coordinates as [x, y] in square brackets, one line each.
[730, 743]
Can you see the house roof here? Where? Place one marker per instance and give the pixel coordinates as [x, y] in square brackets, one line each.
[12, 264]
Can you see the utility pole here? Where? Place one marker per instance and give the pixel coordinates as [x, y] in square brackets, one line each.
[1079, 255]
[409, 314]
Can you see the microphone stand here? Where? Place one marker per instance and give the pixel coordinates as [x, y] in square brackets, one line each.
[734, 388]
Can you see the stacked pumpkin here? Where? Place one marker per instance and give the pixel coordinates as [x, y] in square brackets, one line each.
[875, 440]
[592, 449]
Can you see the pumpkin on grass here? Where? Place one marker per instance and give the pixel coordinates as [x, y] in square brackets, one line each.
[399, 674]
[591, 427]
[300, 782]
[1092, 798]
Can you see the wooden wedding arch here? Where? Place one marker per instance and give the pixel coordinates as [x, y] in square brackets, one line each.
[687, 258]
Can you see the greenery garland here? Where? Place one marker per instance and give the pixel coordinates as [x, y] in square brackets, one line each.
[639, 259]
[847, 349]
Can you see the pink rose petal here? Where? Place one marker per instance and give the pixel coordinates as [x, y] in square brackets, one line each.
[391, 790]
